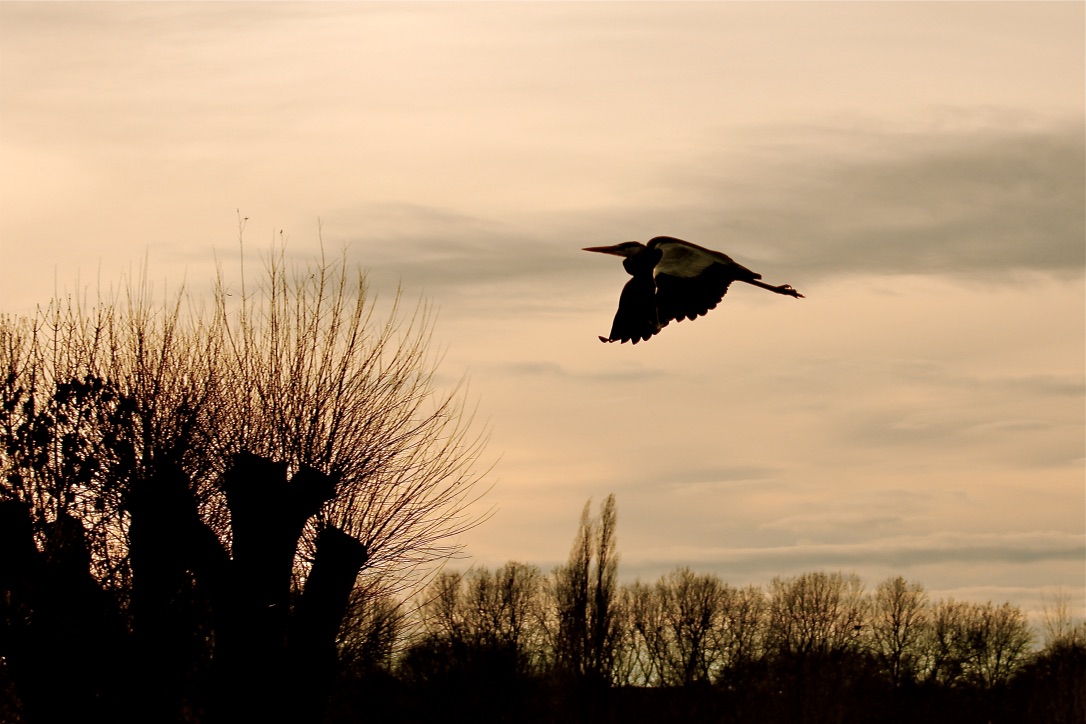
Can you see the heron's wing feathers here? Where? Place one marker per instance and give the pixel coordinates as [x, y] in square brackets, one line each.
[677, 298]
[691, 280]
[636, 318]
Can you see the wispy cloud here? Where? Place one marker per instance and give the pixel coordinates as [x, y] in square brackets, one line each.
[902, 552]
[982, 202]
[620, 373]
[978, 204]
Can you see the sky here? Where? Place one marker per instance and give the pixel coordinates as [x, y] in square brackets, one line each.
[917, 170]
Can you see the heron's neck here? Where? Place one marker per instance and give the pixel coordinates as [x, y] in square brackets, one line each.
[642, 263]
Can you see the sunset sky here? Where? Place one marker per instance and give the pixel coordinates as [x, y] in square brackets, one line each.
[917, 170]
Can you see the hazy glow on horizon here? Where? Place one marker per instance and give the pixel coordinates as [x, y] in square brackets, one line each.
[915, 169]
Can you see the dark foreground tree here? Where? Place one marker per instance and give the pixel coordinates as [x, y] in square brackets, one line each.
[188, 492]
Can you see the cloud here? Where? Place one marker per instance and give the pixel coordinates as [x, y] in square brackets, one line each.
[978, 203]
[545, 368]
[832, 523]
[704, 479]
[901, 552]
[1018, 421]
[444, 251]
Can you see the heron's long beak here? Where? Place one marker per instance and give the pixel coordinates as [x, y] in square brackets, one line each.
[606, 249]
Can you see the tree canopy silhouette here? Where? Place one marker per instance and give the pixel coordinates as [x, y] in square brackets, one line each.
[194, 485]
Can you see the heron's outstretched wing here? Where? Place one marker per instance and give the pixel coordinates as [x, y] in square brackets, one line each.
[691, 280]
[636, 317]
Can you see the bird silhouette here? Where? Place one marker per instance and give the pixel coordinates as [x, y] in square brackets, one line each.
[672, 279]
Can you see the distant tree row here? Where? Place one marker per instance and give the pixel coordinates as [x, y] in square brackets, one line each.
[514, 642]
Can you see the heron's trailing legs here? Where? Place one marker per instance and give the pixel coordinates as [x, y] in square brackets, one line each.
[782, 289]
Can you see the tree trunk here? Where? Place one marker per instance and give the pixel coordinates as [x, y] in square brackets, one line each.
[61, 636]
[317, 619]
[268, 513]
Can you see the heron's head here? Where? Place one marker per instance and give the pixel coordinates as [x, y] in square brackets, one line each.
[626, 249]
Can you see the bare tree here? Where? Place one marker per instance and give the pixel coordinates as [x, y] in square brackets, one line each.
[999, 639]
[641, 651]
[692, 608]
[372, 633]
[585, 633]
[505, 612]
[815, 613]
[483, 614]
[443, 619]
[897, 625]
[975, 644]
[1059, 624]
[1055, 677]
[742, 630]
[689, 629]
[946, 644]
[245, 459]
[315, 379]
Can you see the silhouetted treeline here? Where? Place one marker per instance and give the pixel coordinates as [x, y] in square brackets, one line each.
[516, 644]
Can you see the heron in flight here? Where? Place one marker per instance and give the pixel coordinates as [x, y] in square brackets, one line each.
[672, 279]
